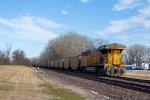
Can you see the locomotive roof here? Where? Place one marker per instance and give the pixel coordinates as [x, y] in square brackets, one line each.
[112, 46]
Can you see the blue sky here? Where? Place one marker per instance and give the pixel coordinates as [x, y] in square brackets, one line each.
[29, 24]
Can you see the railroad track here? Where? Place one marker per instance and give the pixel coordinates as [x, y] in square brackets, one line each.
[127, 83]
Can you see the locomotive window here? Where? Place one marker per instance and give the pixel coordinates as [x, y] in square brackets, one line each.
[104, 51]
[116, 51]
[120, 51]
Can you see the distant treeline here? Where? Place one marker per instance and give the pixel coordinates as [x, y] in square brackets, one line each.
[17, 57]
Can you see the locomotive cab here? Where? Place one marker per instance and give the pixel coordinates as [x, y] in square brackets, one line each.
[112, 59]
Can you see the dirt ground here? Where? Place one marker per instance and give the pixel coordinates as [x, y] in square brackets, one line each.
[22, 83]
[138, 74]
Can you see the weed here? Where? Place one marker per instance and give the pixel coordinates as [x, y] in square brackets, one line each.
[61, 93]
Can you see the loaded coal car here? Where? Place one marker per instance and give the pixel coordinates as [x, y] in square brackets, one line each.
[52, 64]
[75, 62]
[83, 63]
[56, 64]
[61, 64]
[48, 64]
[66, 63]
[43, 65]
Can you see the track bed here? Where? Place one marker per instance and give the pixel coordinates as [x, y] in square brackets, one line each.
[106, 87]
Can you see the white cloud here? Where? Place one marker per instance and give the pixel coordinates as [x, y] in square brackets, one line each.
[125, 4]
[28, 27]
[28, 13]
[123, 37]
[132, 27]
[85, 1]
[142, 19]
[64, 12]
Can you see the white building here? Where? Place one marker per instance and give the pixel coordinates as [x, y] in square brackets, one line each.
[145, 66]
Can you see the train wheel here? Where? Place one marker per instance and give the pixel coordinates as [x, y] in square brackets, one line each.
[83, 69]
[118, 72]
[112, 71]
[102, 72]
[108, 71]
[122, 71]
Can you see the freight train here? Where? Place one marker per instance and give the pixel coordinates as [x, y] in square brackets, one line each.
[106, 60]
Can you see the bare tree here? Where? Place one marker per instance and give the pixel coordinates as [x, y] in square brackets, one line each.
[5, 55]
[68, 45]
[19, 58]
[7, 52]
[147, 58]
[137, 54]
[2, 58]
[96, 43]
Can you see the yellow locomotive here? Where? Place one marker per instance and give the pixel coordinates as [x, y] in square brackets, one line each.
[106, 60]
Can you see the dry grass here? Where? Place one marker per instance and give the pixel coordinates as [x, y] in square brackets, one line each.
[20, 83]
[138, 74]
[23, 83]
